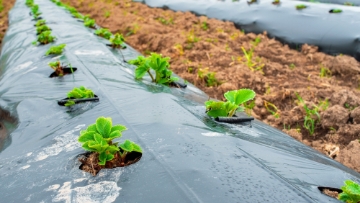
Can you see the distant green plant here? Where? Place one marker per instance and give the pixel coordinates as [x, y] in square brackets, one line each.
[56, 66]
[235, 100]
[300, 6]
[292, 66]
[165, 21]
[40, 23]
[42, 28]
[88, 22]
[70, 9]
[256, 41]
[133, 30]
[29, 3]
[79, 93]
[191, 38]
[117, 41]
[272, 108]
[208, 76]
[335, 11]
[312, 116]
[78, 15]
[351, 192]
[44, 38]
[205, 25]
[157, 63]
[252, 1]
[254, 66]
[98, 137]
[107, 14]
[349, 4]
[325, 72]
[35, 11]
[102, 32]
[55, 50]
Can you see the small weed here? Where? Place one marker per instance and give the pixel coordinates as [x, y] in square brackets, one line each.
[180, 49]
[102, 32]
[270, 107]
[204, 26]
[325, 72]
[208, 76]
[165, 21]
[300, 6]
[227, 48]
[349, 4]
[107, 14]
[56, 50]
[79, 93]
[292, 66]
[235, 100]
[335, 11]
[349, 107]
[191, 38]
[133, 30]
[211, 40]
[117, 41]
[256, 41]
[40, 23]
[88, 22]
[250, 63]
[312, 116]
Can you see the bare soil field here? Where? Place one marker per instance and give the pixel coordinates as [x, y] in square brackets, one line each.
[312, 96]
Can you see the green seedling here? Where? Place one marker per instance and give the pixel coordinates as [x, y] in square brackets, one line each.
[335, 11]
[300, 6]
[276, 2]
[165, 22]
[180, 49]
[99, 136]
[56, 66]
[349, 4]
[117, 41]
[351, 192]
[79, 93]
[256, 41]
[104, 33]
[157, 63]
[44, 38]
[88, 22]
[270, 107]
[208, 76]
[205, 25]
[292, 66]
[42, 28]
[59, 3]
[29, 3]
[40, 23]
[191, 38]
[312, 116]
[78, 16]
[249, 106]
[107, 14]
[133, 30]
[325, 72]
[70, 9]
[55, 50]
[235, 100]
[254, 66]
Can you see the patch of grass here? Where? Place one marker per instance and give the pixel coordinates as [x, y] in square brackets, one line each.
[312, 116]
[204, 26]
[272, 108]
[324, 72]
[165, 21]
[179, 49]
[107, 14]
[209, 77]
[256, 41]
[133, 29]
[253, 65]
[292, 66]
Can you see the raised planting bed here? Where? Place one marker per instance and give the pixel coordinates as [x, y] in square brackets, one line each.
[186, 156]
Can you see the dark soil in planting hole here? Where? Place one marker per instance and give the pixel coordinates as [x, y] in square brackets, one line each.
[90, 161]
[66, 72]
[217, 46]
[332, 192]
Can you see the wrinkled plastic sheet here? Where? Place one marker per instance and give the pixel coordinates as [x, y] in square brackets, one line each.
[333, 33]
[187, 157]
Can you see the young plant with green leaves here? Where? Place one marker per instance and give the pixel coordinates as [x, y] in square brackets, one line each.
[55, 50]
[35, 11]
[79, 93]
[99, 137]
[312, 116]
[117, 41]
[335, 11]
[254, 65]
[235, 101]
[42, 28]
[56, 66]
[208, 76]
[44, 38]
[270, 107]
[104, 33]
[157, 63]
[351, 192]
[29, 3]
[88, 22]
[204, 26]
[300, 6]
[40, 23]
[325, 72]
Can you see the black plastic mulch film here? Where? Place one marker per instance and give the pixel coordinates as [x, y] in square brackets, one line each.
[333, 33]
[187, 157]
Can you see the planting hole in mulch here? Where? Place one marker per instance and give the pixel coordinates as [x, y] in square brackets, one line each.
[110, 45]
[332, 192]
[233, 119]
[65, 71]
[90, 160]
[178, 85]
[77, 101]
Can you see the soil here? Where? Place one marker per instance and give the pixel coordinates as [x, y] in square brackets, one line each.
[64, 71]
[331, 193]
[4, 22]
[208, 53]
[90, 161]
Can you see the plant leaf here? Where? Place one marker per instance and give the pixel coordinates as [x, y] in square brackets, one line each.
[92, 127]
[115, 134]
[109, 157]
[118, 127]
[86, 147]
[87, 136]
[103, 126]
[141, 70]
[136, 148]
[240, 96]
[102, 158]
[127, 146]
[112, 149]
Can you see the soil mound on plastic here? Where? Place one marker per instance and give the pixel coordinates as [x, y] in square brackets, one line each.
[217, 57]
[5, 6]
